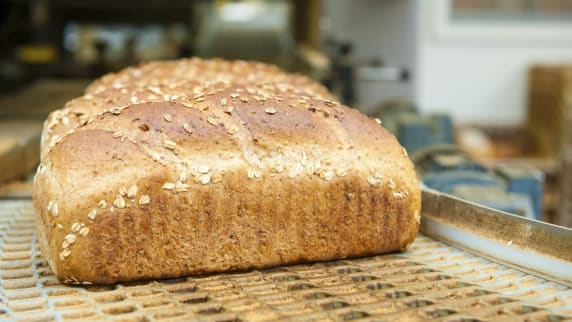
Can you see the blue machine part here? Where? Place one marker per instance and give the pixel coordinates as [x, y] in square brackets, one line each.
[415, 132]
[446, 124]
[446, 181]
[496, 198]
[529, 182]
[444, 167]
[444, 157]
[392, 113]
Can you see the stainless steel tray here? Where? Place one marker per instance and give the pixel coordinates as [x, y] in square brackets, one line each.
[469, 264]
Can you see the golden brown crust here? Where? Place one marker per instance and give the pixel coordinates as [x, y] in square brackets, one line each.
[165, 81]
[191, 185]
[173, 73]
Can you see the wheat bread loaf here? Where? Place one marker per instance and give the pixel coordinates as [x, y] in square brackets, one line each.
[225, 176]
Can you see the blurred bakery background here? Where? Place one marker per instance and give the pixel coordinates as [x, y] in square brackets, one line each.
[478, 91]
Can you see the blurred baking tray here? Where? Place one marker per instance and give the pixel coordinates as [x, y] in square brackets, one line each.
[36, 100]
[19, 189]
[442, 277]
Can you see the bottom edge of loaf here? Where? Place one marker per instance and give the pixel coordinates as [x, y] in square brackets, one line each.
[76, 277]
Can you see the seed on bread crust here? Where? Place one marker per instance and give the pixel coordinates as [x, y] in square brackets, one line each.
[144, 199]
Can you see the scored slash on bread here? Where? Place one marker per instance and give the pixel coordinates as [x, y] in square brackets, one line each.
[213, 175]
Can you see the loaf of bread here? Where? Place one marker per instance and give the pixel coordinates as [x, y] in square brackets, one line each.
[209, 176]
[212, 71]
[168, 81]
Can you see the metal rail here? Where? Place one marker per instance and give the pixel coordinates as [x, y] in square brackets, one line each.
[534, 246]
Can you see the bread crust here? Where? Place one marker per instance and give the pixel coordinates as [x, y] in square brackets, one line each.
[166, 81]
[190, 186]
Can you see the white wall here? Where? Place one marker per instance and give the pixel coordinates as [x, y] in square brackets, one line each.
[377, 28]
[479, 74]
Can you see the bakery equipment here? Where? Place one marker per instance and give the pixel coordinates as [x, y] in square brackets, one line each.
[469, 264]
[414, 130]
[514, 189]
[444, 167]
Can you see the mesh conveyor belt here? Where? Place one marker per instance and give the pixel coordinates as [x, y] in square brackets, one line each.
[431, 281]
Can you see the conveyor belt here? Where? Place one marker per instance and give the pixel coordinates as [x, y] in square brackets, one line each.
[431, 281]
